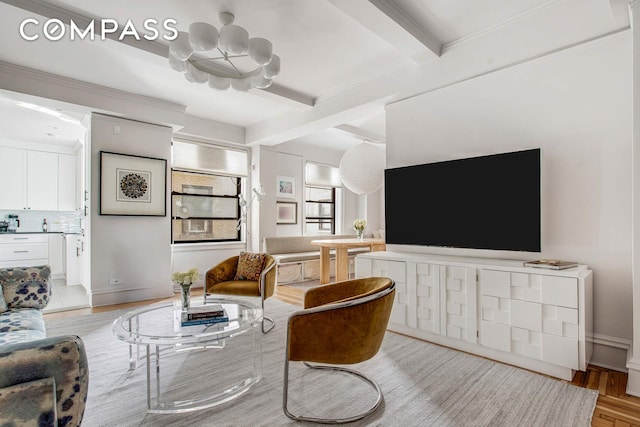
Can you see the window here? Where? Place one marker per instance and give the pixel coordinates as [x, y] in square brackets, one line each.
[205, 192]
[322, 186]
[320, 210]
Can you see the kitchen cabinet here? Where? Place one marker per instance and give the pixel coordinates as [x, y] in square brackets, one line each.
[38, 180]
[57, 255]
[13, 191]
[67, 183]
[42, 181]
[24, 250]
[74, 249]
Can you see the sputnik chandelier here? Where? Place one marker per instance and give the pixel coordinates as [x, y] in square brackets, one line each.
[230, 44]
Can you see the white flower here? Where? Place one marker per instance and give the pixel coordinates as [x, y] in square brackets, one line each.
[359, 224]
[180, 277]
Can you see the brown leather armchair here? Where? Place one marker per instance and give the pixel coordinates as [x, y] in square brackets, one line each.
[342, 323]
[220, 280]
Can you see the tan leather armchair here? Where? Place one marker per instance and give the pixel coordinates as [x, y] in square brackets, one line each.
[220, 280]
[343, 323]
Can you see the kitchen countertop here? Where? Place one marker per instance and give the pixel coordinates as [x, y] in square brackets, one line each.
[40, 232]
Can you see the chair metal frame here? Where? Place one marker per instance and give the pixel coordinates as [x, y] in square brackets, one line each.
[285, 391]
[262, 283]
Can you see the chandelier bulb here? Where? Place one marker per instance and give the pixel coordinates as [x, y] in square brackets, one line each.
[226, 18]
[180, 46]
[203, 37]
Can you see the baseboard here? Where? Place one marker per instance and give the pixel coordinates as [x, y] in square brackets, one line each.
[610, 352]
[120, 296]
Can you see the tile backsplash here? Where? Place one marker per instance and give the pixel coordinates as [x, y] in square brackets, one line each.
[31, 221]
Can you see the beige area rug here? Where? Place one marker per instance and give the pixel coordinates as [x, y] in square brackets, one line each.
[423, 384]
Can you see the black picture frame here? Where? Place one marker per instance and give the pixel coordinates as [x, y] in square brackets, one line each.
[286, 212]
[132, 185]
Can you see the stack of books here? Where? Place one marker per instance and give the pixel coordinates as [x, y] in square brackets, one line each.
[204, 315]
[552, 264]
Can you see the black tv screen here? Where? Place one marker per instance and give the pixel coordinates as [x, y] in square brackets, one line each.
[487, 202]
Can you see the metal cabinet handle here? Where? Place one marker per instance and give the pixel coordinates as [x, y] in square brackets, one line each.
[20, 252]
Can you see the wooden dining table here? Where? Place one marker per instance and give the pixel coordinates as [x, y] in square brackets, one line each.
[342, 247]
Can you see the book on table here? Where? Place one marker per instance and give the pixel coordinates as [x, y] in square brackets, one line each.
[208, 321]
[205, 312]
[552, 264]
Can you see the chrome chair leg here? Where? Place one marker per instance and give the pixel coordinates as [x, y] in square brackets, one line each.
[269, 319]
[349, 419]
[270, 327]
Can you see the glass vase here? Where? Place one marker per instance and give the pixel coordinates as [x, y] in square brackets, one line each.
[360, 234]
[185, 295]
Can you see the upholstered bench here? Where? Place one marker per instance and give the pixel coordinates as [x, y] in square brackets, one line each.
[43, 381]
[297, 260]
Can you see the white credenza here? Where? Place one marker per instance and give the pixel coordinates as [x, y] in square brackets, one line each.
[534, 318]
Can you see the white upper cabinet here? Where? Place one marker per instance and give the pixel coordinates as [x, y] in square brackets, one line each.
[38, 180]
[67, 181]
[42, 181]
[13, 166]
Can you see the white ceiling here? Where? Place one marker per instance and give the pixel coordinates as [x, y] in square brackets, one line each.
[346, 58]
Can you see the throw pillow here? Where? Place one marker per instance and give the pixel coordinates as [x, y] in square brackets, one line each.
[26, 287]
[250, 266]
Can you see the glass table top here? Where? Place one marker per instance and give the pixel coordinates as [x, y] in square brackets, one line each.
[160, 323]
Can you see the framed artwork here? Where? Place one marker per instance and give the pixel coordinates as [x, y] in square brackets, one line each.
[287, 213]
[286, 186]
[132, 185]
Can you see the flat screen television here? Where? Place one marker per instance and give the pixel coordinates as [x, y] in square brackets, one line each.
[486, 202]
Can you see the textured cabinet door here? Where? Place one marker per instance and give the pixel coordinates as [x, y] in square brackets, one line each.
[495, 309]
[396, 270]
[42, 180]
[533, 315]
[458, 294]
[425, 301]
[13, 176]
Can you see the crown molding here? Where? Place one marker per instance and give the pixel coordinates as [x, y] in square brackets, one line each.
[447, 47]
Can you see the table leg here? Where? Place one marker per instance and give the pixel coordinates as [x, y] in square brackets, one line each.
[342, 264]
[325, 264]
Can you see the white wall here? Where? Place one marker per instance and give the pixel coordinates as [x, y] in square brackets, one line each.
[292, 157]
[576, 106]
[134, 249]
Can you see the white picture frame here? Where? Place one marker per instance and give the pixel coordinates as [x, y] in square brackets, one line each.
[286, 187]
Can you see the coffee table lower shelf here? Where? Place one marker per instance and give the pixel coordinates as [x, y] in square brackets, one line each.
[152, 331]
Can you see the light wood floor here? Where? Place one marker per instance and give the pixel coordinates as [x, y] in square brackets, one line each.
[614, 407]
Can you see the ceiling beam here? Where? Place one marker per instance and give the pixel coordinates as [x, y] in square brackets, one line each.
[361, 133]
[275, 92]
[393, 25]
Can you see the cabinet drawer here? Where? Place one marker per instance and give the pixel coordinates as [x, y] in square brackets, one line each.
[19, 251]
[23, 238]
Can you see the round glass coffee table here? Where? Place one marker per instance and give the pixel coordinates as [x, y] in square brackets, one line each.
[157, 328]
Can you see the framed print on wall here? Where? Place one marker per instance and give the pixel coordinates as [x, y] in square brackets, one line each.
[132, 185]
[287, 213]
[286, 186]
